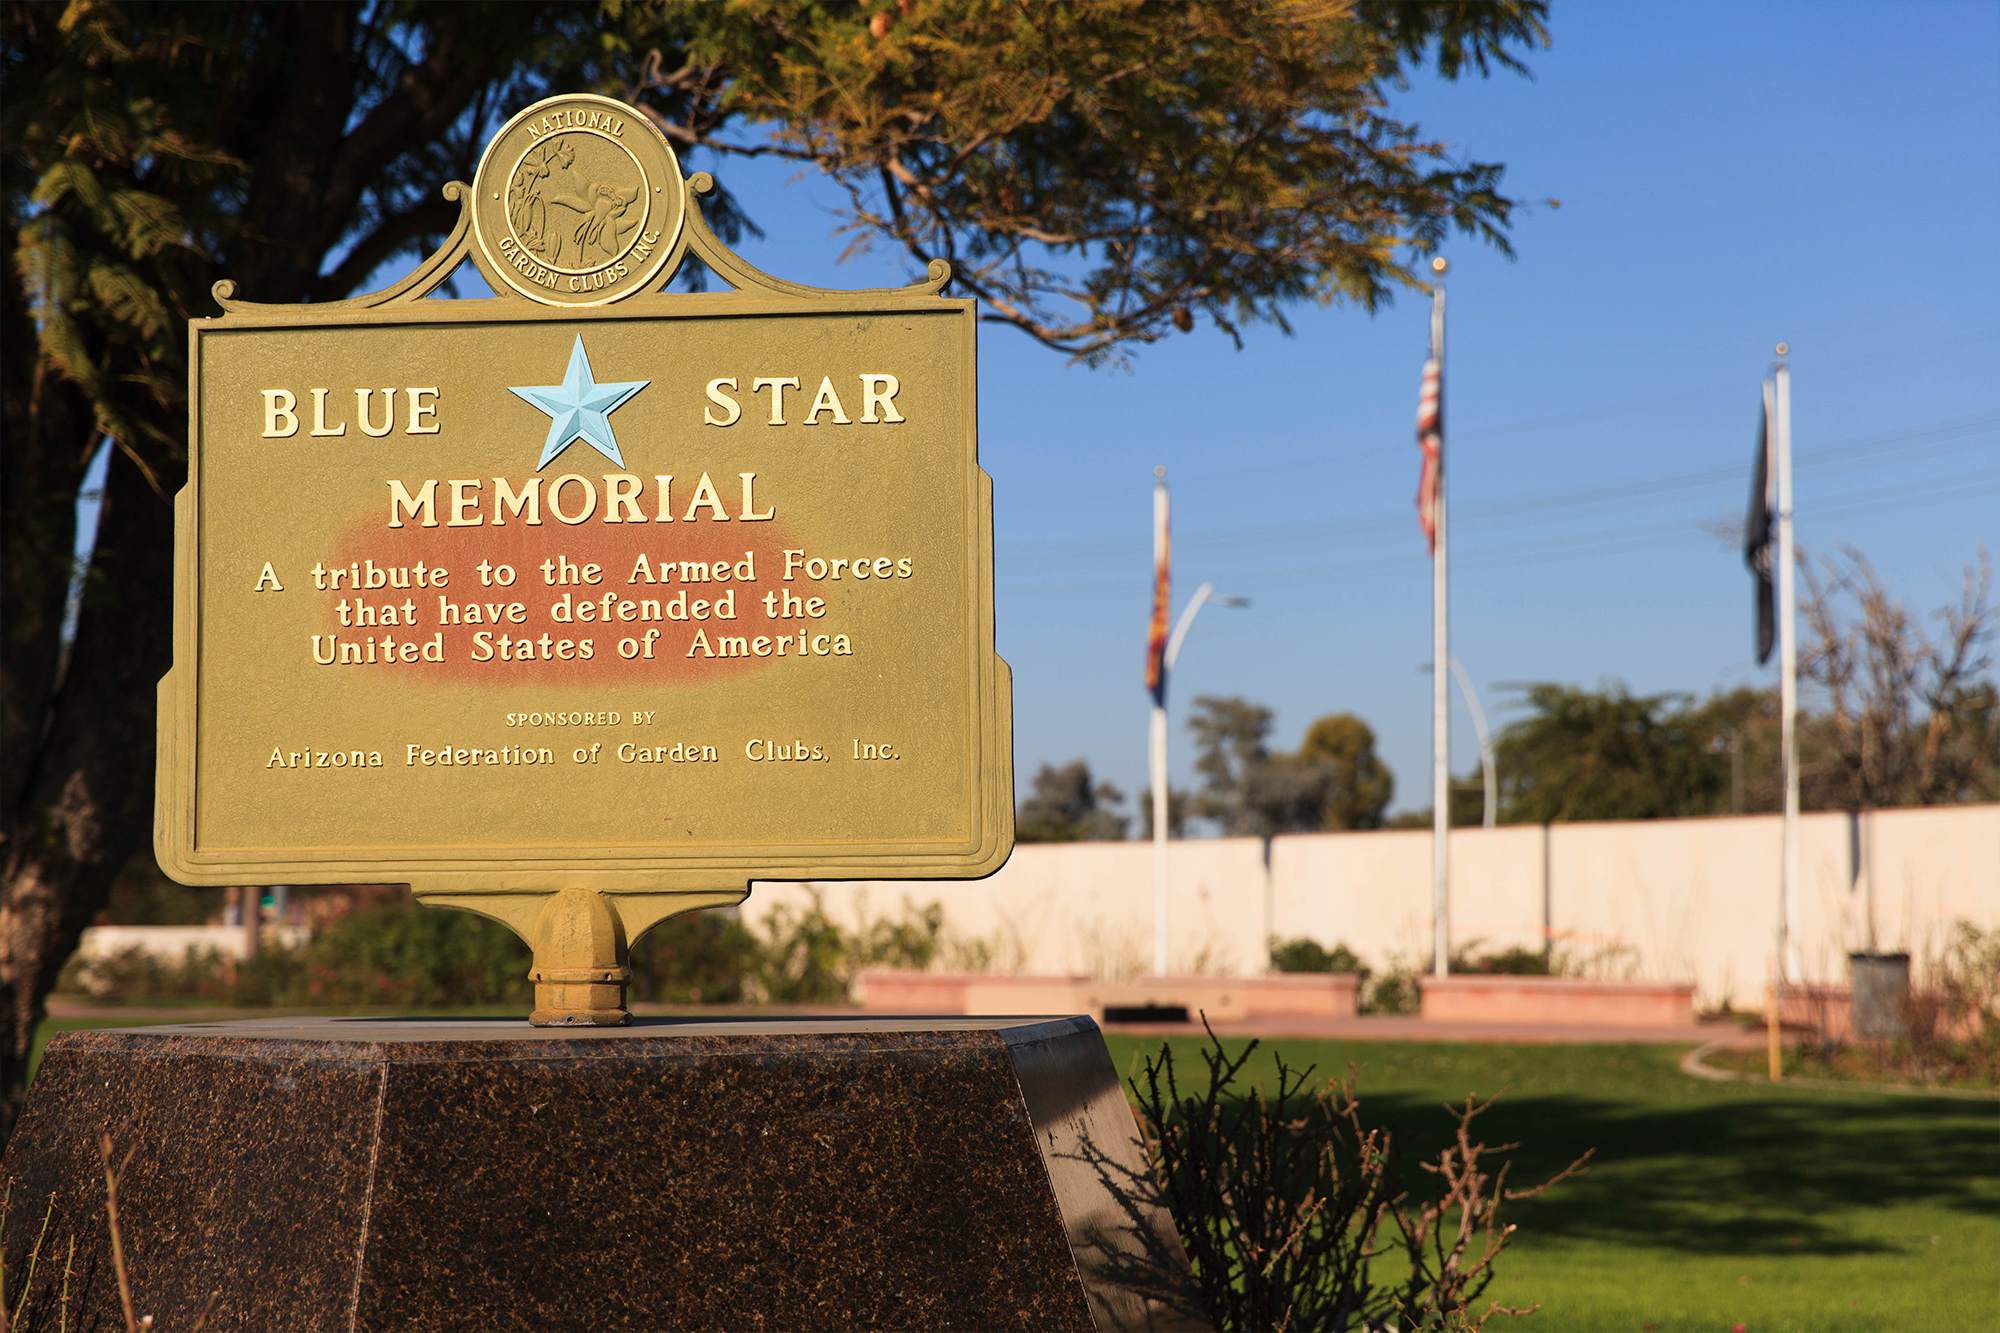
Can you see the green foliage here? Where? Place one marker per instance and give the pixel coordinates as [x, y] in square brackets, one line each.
[1391, 992]
[1514, 961]
[1968, 976]
[142, 896]
[110, 187]
[1181, 806]
[392, 954]
[1605, 754]
[133, 976]
[1394, 993]
[695, 958]
[1335, 781]
[1304, 954]
[1664, 754]
[1359, 786]
[401, 954]
[1894, 716]
[409, 955]
[1229, 740]
[1102, 174]
[1068, 807]
[808, 958]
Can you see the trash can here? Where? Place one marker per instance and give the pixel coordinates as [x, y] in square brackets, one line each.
[1881, 994]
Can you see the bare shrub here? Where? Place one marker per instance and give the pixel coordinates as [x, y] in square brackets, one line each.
[20, 1314]
[1285, 1201]
[1909, 720]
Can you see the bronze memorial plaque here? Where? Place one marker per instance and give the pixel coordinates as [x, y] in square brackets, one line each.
[586, 590]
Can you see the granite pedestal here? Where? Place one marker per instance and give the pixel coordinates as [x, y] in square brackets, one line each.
[717, 1173]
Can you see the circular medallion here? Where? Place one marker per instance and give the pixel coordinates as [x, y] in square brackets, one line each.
[578, 201]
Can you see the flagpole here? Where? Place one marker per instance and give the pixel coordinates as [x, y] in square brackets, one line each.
[1159, 757]
[1788, 661]
[1440, 677]
[1158, 750]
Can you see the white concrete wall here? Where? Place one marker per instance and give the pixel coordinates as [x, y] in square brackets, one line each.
[1666, 900]
[172, 944]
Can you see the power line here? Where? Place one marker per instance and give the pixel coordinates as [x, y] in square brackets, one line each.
[1735, 386]
[1846, 455]
[1321, 459]
[1579, 546]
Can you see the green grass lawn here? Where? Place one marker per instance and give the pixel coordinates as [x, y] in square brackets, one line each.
[1708, 1205]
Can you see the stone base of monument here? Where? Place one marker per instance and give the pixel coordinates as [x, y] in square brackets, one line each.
[482, 1174]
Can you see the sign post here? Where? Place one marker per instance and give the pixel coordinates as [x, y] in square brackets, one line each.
[588, 604]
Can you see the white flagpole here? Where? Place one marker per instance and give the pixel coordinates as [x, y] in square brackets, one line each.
[1440, 678]
[1159, 758]
[1788, 658]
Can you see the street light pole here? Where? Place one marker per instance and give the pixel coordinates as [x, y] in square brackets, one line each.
[1486, 760]
[1159, 772]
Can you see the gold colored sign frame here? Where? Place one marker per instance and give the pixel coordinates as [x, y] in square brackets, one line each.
[581, 906]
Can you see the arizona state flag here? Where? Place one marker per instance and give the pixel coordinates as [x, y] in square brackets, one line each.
[1430, 438]
[1758, 538]
[1156, 632]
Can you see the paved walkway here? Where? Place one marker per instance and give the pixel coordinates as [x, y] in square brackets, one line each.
[1408, 1027]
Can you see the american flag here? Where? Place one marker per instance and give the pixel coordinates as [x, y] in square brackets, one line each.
[1156, 632]
[1430, 438]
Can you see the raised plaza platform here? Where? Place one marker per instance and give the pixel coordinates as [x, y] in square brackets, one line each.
[743, 1172]
[1325, 995]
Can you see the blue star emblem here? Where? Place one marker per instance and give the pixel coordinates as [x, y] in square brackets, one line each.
[579, 408]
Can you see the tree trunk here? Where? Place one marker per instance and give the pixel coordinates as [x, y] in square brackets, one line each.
[77, 753]
[85, 805]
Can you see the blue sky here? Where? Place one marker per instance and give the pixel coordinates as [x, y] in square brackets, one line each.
[1730, 176]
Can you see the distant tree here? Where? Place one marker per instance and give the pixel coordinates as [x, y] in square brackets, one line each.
[1334, 781]
[1180, 809]
[1606, 754]
[1229, 736]
[1742, 731]
[1467, 805]
[1068, 807]
[1285, 794]
[1247, 790]
[1360, 786]
[1908, 720]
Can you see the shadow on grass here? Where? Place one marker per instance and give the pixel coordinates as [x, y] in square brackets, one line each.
[1766, 1176]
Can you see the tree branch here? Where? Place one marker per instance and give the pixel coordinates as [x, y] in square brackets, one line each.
[432, 217]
